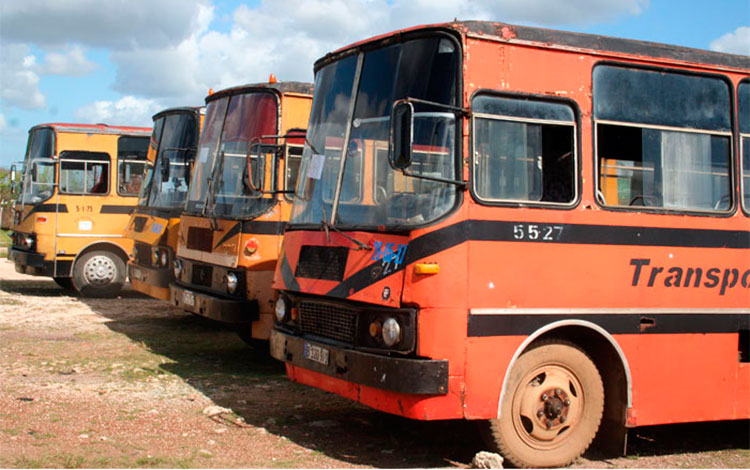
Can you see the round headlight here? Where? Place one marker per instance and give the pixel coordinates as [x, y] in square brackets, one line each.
[280, 309]
[391, 332]
[177, 268]
[155, 257]
[231, 280]
[28, 241]
[164, 258]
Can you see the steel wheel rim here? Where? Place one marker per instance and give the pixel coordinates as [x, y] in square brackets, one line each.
[547, 406]
[99, 270]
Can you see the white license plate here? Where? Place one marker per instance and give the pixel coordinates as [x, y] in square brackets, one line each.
[135, 273]
[316, 353]
[188, 298]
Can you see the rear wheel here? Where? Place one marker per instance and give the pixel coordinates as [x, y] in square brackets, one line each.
[551, 409]
[99, 274]
[64, 282]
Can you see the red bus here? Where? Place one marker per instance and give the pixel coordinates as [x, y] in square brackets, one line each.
[545, 231]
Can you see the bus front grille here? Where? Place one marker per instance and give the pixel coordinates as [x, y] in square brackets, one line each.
[202, 275]
[328, 321]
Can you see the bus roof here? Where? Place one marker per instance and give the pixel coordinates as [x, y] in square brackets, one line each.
[95, 129]
[181, 109]
[281, 87]
[582, 41]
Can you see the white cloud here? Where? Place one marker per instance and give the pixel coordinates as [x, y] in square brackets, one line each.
[736, 42]
[71, 61]
[119, 24]
[127, 111]
[3, 123]
[19, 79]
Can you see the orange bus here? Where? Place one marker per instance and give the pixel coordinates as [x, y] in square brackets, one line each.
[545, 231]
[238, 203]
[155, 222]
[80, 184]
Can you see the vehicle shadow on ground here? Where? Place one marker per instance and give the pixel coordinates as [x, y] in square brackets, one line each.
[214, 361]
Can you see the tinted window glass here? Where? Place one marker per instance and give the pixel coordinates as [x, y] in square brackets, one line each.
[133, 148]
[659, 98]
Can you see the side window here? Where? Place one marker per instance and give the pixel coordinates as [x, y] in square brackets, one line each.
[663, 140]
[131, 158]
[84, 173]
[743, 107]
[524, 151]
[130, 177]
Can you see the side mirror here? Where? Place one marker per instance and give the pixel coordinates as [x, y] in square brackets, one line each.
[402, 135]
[13, 176]
[34, 172]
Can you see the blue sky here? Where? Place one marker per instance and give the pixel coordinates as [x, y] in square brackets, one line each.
[121, 61]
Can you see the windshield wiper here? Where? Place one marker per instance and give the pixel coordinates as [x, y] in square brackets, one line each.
[211, 194]
[324, 225]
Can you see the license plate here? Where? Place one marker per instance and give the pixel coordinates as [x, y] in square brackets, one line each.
[316, 353]
[135, 273]
[188, 298]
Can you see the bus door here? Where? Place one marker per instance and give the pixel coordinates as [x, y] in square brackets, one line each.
[84, 182]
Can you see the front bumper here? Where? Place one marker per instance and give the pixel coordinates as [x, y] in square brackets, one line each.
[398, 374]
[235, 312]
[28, 262]
[159, 277]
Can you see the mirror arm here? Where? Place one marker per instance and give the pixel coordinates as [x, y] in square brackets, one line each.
[462, 111]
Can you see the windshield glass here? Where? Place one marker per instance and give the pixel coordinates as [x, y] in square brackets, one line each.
[353, 118]
[174, 139]
[233, 123]
[39, 168]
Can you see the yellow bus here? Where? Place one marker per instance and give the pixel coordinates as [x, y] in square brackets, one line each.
[238, 204]
[154, 224]
[80, 183]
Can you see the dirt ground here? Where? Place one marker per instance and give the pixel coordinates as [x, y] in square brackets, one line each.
[132, 382]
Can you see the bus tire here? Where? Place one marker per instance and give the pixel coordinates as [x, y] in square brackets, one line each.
[64, 282]
[99, 274]
[551, 409]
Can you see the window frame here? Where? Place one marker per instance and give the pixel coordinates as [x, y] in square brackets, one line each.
[120, 162]
[107, 162]
[740, 149]
[731, 177]
[575, 124]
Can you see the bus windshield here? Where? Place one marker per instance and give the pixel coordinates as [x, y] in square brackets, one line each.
[38, 167]
[174, 139]
[351, 117]
[233, 124]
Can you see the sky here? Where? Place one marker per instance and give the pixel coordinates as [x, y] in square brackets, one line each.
[121, 61]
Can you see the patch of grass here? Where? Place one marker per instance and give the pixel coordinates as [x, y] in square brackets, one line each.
[150, 461]
[5, 239]
[10, 432]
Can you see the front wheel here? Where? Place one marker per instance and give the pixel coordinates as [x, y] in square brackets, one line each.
[551, 409]
[99, 274]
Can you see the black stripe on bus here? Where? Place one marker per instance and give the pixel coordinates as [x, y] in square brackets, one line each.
[287, 275]
[501, 231]
[113, 209]
[262, 227]
[614, 323]
[164, 213]
[236, 228]
[47, 208]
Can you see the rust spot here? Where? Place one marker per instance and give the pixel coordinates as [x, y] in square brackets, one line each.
[508, 33]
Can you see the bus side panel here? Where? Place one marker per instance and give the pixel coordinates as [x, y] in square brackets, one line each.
[483, 384]
[684, 378]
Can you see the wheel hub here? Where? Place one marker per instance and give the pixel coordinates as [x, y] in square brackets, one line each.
[99, 270]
